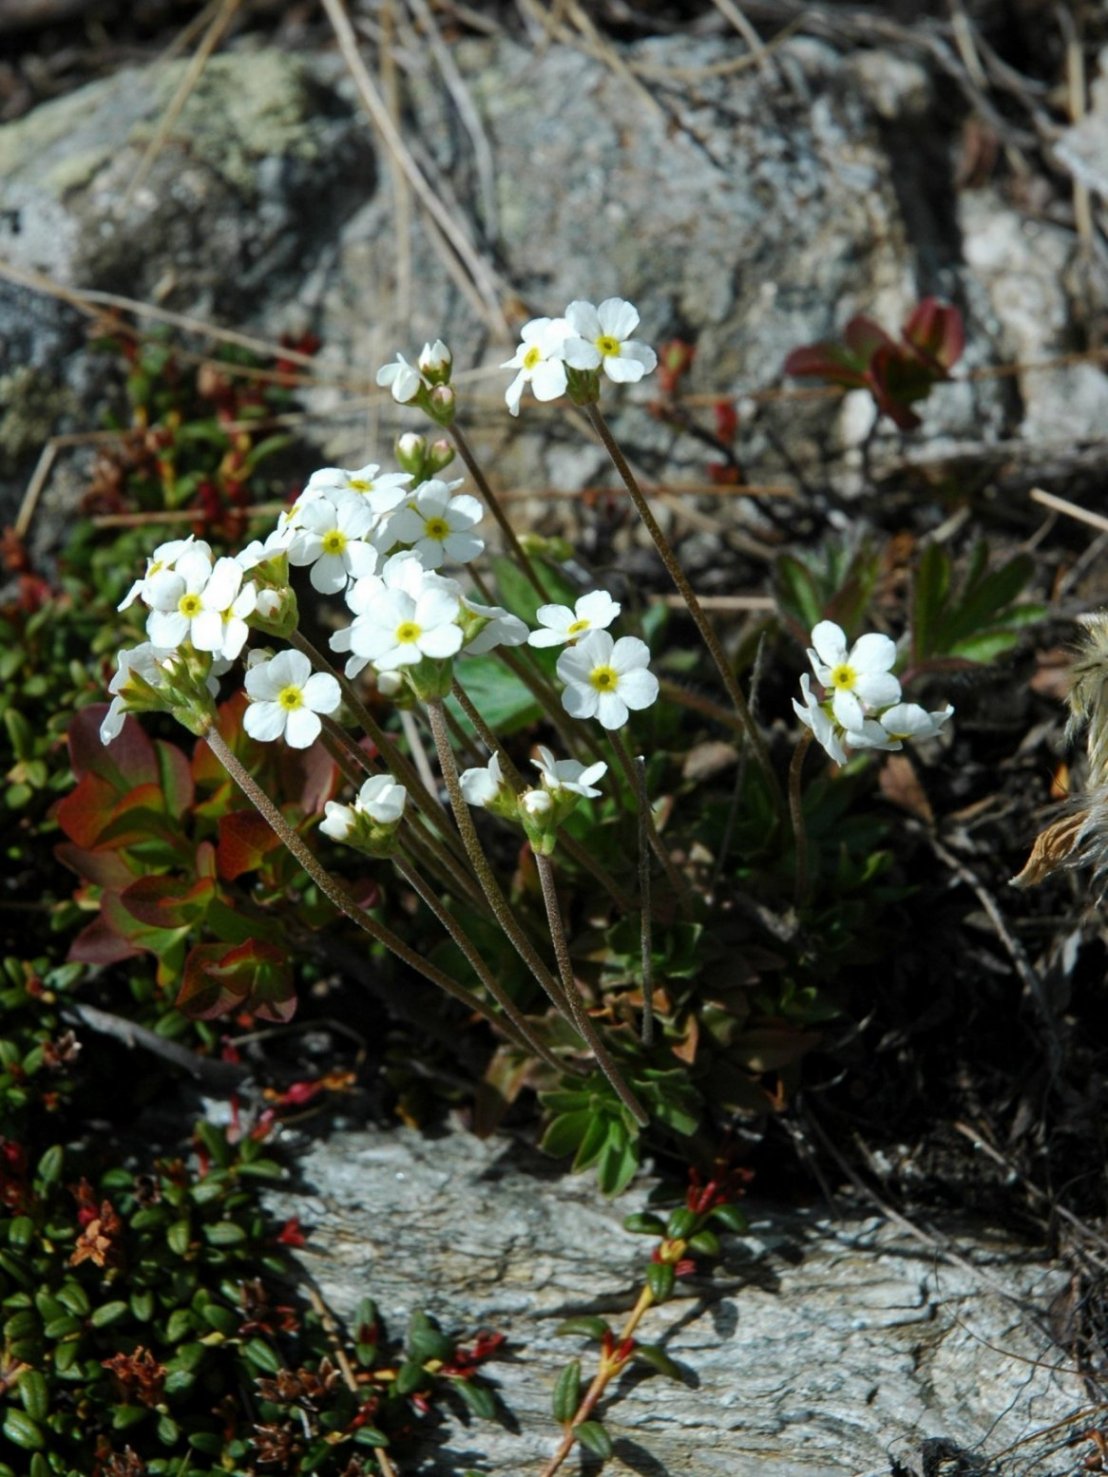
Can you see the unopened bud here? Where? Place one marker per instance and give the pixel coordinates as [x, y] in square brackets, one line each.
[436, 362]
[441, 405]
[411, 454]
[440, 455]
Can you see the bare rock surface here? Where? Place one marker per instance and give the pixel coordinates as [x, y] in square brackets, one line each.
[823, 1345]
[747, 210]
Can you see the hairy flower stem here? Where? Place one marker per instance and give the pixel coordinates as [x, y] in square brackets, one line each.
[796, 815]
[518, 783]
[611, 1366]
[696, 610]
[473, 466]
[678, 883]
[569, 984]
[353, 760]
[337, 894]
[646, 940]
[480, 862]
[522, 1032]
[399, 767]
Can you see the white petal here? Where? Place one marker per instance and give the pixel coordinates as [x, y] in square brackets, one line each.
[302, 729]
[829, 641]
[878, 689]
[847, 709]
[581, 355]
[583, 318]
[598, 608]
[580, 701]
[638, 689]
[264, 721]
[623, 371]
[872, 653]
[617, 318]
[441, 642]
[549, 380]
[628, 654]
[322, 693]
[611, 710]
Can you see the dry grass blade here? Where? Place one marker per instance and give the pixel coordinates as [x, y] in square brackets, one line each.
[467, 112]
[1075, 102]
[454, 229]
[192, 75]
[1071, 510]
[731, 12]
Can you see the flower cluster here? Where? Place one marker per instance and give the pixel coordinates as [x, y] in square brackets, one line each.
[557, 354]
[563, 783]
[862, 706]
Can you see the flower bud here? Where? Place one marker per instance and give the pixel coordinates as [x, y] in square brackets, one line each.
[436, 362]
[442, 404]
[411, 454]
[440, 456]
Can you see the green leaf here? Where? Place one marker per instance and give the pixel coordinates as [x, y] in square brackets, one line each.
[504, 702]
[518, 595]
[479, 1398]
[618, 1161]
[589, 1324]
[426, 1340]
[370, 1436]
[658, 1359]
[108, 1313]
[682, 1223]
[178, 1237]
[660, 1278]
[593, 1143]
[567, 1393]
[705, 1243]
[566, 1132]
[224, 1233]
[642, 1223]
[409, 1377]
[594, 1437]
[35, 1394]
[51, 1164]
[731, 1217]
[22, 1431]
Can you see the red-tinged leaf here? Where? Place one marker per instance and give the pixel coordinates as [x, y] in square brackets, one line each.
[936, 330]
[128, 760]
[168, 902]
[102, 868]
[99, 943]
[176, 778]
[86, 810]
[826, 361]
[308, 777]
[253, 976]
[863, 338]
[245, 840]
[896, 380]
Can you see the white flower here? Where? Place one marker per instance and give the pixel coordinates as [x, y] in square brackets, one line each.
[904, 722]
[175, 599]
[435, 361]
[380, 800]
[145, 661]
[437, 525]
[568, 774]
[381, 493]
[226, 597]
[503, 629]
[537, 804]
[398, 629]
[602, 338]
[164, 557]
[258, 552]
[604, 678]
[815, 716]
[480, 786]
[860, 679]
[404, 381]
[331, 538]
[539, 361]
[593, 612]
[286, 697]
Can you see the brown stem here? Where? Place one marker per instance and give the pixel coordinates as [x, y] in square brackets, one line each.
[646, 941]
[580, 1015]
[334, 890]
[518, 783]
[522, 1033]
[680, 579]
[480, 863]
[796, 815]
[399, 766]
[646, 818]
[465, 451]
[608, 1371]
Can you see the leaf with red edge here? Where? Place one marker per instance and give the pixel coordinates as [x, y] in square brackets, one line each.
[896, 380]
[103, 868]
[128, 760]
[245, 840]
[936, 331]
[99, 943]
[308, 777]
[826, 361]
[252, 976]
[864, 338]
[87, 809]
[168, 902]
[176, 778]
[95, 944]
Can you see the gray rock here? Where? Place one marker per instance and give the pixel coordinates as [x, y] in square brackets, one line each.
[751, 211]
[822, 1345]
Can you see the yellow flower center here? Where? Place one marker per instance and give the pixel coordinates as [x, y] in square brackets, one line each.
[843, 677]
[407, 632]
[576, 628]
[290, 698]
[608, 346]
[436, 528]
[532, 357]
[604, 679]
[189, 605]
[361, 484]
[334, 541]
